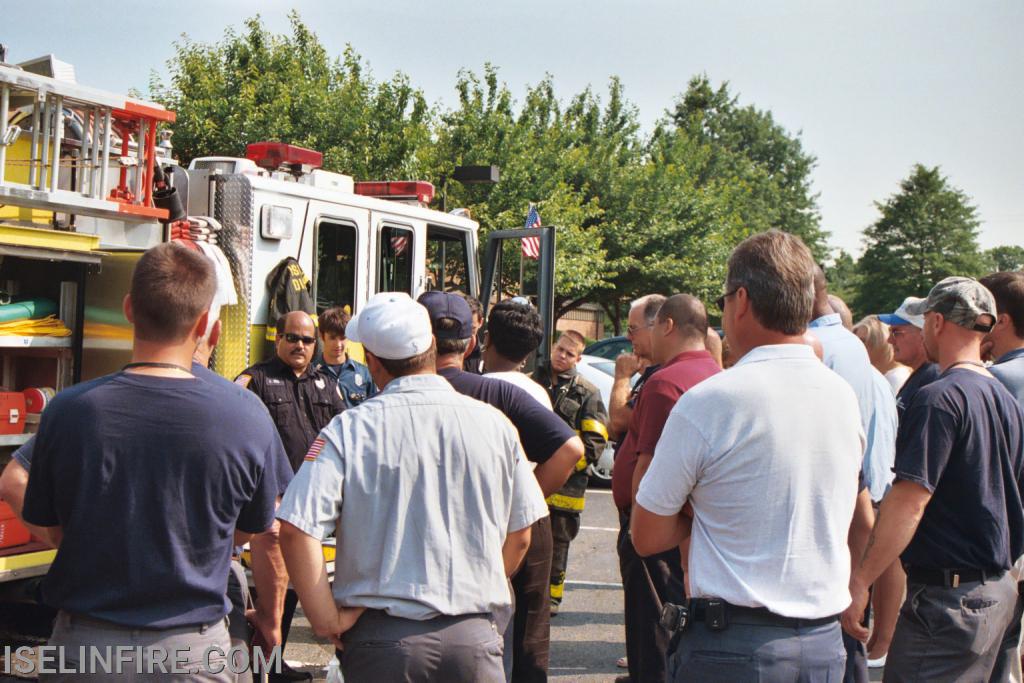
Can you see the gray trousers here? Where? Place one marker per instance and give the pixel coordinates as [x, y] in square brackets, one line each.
[188, 649]
[462, 649]
[1007, 668]
[951, 634]
[745, 653]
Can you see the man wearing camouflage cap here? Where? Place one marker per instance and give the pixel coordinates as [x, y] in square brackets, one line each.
[954, 514]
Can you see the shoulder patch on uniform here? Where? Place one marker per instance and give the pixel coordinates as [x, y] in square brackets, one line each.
[243, 380]
[315, 449]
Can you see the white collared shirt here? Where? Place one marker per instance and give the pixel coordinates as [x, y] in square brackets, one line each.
[768, 452]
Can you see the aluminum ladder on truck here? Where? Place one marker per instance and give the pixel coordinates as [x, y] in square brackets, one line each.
[77, 184]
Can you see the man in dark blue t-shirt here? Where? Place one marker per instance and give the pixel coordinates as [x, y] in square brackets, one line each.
[547, 441]
[955, 511]
[144, 479]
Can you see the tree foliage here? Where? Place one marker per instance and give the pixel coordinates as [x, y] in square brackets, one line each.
[255, 86]
[1004, 258]
[927, 231]
[636, 213]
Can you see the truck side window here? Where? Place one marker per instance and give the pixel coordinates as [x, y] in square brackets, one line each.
[335, 275]
[447, 262]
[394, 267]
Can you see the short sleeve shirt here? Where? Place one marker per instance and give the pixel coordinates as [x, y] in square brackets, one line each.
[961, 439]
[777, 421]
[1009, 370]
[625, 452]
[541, 432]
[922, 377]
[423, 485]
[148, 477]
[662, 391]
[276, 458]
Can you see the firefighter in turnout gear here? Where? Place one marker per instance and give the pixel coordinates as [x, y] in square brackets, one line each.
[579, 403]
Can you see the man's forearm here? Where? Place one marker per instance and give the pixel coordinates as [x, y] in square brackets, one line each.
[860, 527]
[553, 474]
[514, 549]
[619, 411]
[897, 521]
[651, 533]
[305, 562]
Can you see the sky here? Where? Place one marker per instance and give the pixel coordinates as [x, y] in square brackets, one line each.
[872, 87]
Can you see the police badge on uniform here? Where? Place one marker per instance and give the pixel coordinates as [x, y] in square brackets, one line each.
[319, 382]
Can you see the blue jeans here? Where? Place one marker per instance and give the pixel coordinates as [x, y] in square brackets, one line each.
[748, 652]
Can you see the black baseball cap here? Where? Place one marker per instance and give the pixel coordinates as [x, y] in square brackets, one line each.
[448, 305]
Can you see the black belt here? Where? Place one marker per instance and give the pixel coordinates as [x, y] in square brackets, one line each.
[951, 578]
[756, 616]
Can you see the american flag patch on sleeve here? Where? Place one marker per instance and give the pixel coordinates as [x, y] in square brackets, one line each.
[314, 450]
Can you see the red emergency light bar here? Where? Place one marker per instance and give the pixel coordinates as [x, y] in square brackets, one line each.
[420, 190]
[274, 155]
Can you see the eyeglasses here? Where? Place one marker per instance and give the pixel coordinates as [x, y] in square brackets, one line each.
[293, 338]
[633, 329]
[720, 301]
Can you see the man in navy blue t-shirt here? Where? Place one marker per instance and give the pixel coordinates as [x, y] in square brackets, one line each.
[144, 480]
[955, 511]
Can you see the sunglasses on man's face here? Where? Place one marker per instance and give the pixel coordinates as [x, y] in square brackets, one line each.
[293, 338]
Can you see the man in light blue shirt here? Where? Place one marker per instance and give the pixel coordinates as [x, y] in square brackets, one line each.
[432, 499]
[845, 354]
[1005, 343]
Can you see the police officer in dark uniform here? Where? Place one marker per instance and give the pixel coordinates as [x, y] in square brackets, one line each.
[301, 399]
[353, 377]
[578, 402]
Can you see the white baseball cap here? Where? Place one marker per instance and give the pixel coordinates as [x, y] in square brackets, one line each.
[902, 316]
[392, 326]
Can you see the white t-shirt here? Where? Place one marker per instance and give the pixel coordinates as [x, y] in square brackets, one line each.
[768, 453]
[526, 384]
[896, 377]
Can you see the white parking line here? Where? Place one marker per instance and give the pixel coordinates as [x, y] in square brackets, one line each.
[598, 528]
[604, 491]
[599, 584]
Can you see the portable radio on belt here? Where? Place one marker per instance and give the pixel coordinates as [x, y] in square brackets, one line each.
[715, 615]
[674, 618]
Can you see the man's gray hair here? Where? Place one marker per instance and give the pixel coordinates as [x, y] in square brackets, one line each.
[651, 304]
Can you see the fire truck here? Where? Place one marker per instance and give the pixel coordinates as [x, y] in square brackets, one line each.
[88, 183]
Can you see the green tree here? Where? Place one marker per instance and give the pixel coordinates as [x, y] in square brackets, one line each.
[255, 86]
[1007, 257]
[927, 231]
[843, 278]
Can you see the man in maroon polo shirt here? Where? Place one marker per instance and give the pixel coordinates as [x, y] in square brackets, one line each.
[678, 346]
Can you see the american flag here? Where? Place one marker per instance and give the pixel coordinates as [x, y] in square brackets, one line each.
[399, 243]
[531, 245]
[314, 450]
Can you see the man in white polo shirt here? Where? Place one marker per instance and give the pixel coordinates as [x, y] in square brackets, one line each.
[768, 455]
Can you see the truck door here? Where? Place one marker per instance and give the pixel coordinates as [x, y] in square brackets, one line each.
[504, 275]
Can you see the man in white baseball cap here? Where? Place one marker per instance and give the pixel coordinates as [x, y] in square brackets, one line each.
[907, 343]
[432, 501]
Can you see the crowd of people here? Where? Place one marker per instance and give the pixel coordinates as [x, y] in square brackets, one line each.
[806, 498]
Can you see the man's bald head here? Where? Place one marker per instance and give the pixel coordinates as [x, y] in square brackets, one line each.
[688, 315]
[296, 340]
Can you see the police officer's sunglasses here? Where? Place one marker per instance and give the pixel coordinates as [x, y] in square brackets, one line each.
[293, 338]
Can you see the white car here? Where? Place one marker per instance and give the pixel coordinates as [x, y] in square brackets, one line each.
[601, 373]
